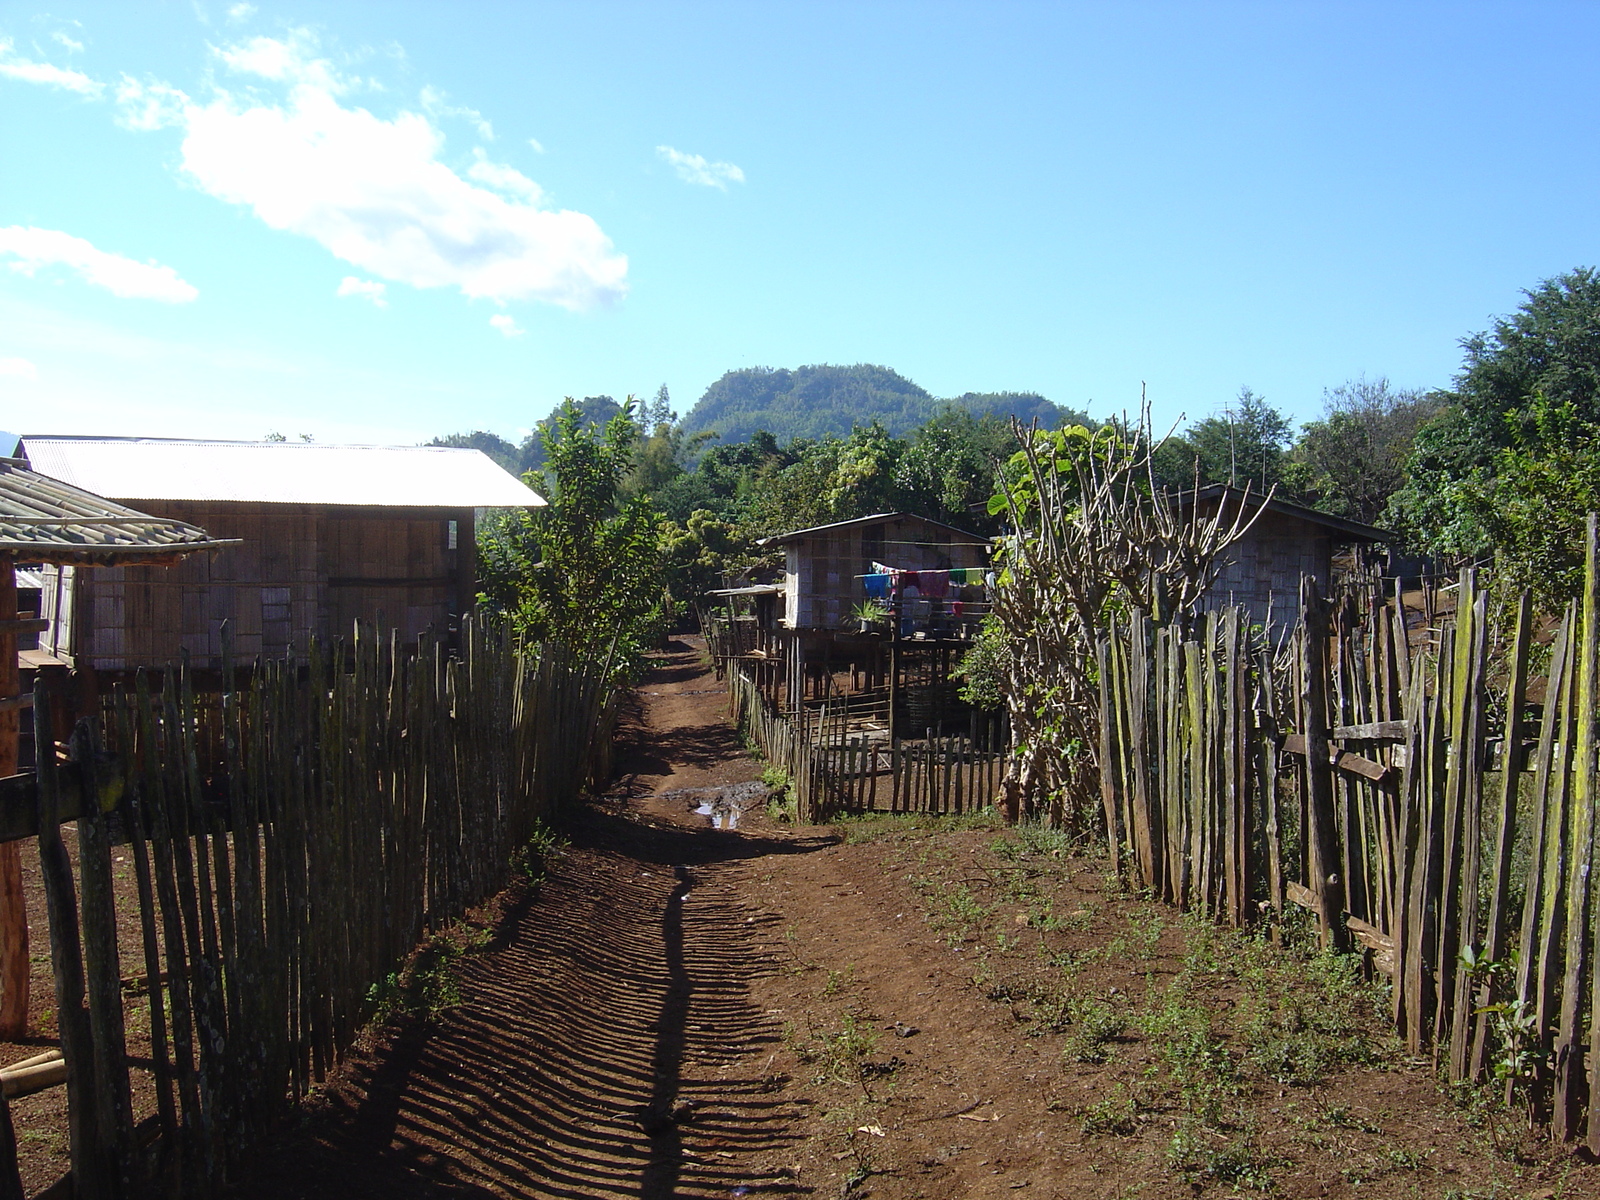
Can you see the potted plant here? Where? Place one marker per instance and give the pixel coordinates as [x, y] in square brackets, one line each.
[868, 615]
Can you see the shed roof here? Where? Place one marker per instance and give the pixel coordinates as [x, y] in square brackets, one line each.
[46, 520]
[1345, 530]
[280, 472]
[875, 519]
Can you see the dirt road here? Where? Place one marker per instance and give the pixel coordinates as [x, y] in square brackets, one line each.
[686, 1011]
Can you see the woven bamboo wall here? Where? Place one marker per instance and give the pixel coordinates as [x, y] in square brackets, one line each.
[302, 571]
[1262, 571]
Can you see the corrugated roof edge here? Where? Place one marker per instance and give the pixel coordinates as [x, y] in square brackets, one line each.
[778, 539]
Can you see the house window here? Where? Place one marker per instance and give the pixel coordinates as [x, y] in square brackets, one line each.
[449, 535]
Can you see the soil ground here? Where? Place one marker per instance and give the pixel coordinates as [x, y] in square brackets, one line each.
[882, 1007]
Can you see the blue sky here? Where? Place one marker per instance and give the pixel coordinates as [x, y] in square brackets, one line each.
[380, 222]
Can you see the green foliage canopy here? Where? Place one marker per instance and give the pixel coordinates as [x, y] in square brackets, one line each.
[585, 571]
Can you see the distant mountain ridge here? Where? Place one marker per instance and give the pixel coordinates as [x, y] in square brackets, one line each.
[816, 400]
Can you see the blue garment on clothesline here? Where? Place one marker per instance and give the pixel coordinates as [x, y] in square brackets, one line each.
[877, 586]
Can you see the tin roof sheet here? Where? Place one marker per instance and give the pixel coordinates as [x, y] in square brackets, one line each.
[47, 520]
[780, 539]
[280, 472]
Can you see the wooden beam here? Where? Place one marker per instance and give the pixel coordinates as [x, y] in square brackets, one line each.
[19, 802]
[11, 704]
[15, 625]
[1375, 731]
[1351, 764]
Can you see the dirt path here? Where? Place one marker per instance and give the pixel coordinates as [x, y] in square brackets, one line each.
[683, 1011]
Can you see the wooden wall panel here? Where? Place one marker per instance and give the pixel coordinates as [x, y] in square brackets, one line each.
[275, 586]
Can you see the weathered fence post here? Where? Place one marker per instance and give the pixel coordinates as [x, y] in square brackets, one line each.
[1322, 841]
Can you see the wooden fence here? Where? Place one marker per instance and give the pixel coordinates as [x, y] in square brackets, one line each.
[836, 772]
[293, 841]
[1426, 794]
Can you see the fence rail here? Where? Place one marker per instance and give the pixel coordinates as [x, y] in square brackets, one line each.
[291, 844]
[1428, 798]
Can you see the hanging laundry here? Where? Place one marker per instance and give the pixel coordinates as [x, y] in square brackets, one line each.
[935, 585]
[877, 585]
[961, 576]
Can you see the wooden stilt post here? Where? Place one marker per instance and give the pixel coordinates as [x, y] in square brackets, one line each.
[13, 911]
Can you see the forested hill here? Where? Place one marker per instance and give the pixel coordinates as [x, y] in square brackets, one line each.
[813, 401]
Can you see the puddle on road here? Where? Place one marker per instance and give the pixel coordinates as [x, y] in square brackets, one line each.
[724, 805]
[718, 816]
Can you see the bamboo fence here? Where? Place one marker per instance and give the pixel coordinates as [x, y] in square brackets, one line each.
[1429, 799]
[293, 841]
[836, 772]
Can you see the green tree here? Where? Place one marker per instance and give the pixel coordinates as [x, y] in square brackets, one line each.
[585, 571]
[1503, 470]
[492, 444]
[1242, 444]
[1351, 460]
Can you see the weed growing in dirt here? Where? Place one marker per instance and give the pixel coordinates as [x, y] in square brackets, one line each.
[781, 804]
[1117, 1114]
[1196, 1060]
[1094, 1024]
[1303, 1016]
[431, 983]
[1238, 1162]
[839, 980]
[840, 1056]
[533, 859]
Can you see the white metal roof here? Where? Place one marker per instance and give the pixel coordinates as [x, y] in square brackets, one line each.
[280, 472]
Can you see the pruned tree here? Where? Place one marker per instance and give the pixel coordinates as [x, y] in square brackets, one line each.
[1092, 532]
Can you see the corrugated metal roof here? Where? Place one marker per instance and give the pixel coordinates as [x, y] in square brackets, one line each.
[779, 539]
[1353, 531]
[280, 472]
[47, 520]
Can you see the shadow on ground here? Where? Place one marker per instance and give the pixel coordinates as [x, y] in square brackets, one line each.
[606, 1044]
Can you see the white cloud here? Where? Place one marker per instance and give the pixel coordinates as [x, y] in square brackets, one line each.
[18, 368]
[147, 106]
[371, 190]
[367, 289]
[693, 168]
[507, 325]
[502, 178]
[14, 66]
[70, 43]
[290, 60]
[35, 248]
[433, 104]
[538, 146]
[241, 12]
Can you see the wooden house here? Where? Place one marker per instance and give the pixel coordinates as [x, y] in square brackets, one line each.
[53, 526]
[325, 536]
[1285, 543]
[825, 567]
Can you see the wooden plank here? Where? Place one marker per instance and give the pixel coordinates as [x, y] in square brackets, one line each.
[1342, 760]
[1372, 731]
